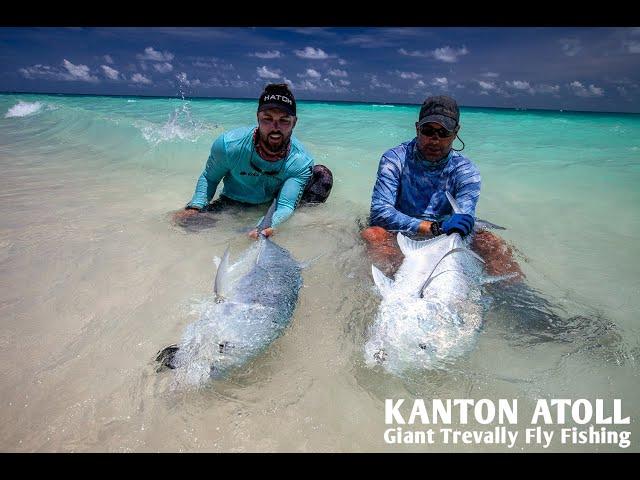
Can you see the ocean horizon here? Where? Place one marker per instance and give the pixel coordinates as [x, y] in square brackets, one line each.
[355, 102]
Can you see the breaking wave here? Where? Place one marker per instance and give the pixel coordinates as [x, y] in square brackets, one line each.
[22, 109]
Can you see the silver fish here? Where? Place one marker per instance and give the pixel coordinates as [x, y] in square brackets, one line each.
[254, 302]
[431, 312]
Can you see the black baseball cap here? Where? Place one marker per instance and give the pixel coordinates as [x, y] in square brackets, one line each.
[277, 95]
[441, 109]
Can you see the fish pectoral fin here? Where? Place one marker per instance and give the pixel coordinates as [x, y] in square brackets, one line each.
[383, 282]
[220, 283]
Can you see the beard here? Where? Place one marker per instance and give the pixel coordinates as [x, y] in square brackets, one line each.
[274, 146]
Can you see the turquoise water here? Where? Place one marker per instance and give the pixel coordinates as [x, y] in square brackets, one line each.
[96, 278]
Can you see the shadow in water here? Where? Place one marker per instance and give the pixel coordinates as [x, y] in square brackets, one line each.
[198, 222]
[528, 318]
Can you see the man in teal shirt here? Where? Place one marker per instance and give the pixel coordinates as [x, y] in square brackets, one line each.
[259, 164]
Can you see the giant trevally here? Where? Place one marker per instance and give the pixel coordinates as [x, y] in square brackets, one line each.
[431, 312]
[254, 302]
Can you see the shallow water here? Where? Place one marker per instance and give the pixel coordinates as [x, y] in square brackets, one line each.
[96, 278]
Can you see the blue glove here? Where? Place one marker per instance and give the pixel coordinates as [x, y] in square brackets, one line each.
[460, 222]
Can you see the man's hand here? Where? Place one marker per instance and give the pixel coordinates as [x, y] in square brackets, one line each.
[425, 228]
[267, 232]
[462, 222]
[184, 213]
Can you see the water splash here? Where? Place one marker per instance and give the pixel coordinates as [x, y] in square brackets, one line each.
[22, 109]
[180, 126]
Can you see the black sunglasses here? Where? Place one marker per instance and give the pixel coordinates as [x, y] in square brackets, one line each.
[428, 131]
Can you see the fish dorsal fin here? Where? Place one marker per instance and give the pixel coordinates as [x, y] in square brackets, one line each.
[453, 250]
[220, 283]
[383, 282]
[267, 220]
[486, 225]
[454, 205]
[408, 246]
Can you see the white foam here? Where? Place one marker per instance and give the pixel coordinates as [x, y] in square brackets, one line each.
[180, 126]
[22, 109]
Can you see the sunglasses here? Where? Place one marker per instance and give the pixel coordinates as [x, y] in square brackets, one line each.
[428, 131]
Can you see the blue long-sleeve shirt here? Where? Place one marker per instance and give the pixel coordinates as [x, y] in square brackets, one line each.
[410, 189]
[230, 160]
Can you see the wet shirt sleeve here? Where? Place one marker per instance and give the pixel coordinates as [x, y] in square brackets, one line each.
[468, 183]
[385, 193]
[215, 169]
[290, 194]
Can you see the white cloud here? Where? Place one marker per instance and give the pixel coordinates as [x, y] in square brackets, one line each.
[108, 59]
[570, 46]
[632, 46]
[238, 83]
[582, 91]
[139, 78]
[408, 75]
[375, 83]
[491, 87]
[368, 41]
[39, 70]
[306, 85]
[544, 88]
[267, 54]
[342, 61]
[421, 84]
[165, 67]
[310, 73]
[78, 72]
[155, 56]
[220, 82]
[338, 73]
[444, 54]
[490, 75]
[264, 72]
[311, 53]
[520, 85]
[487, 85]
[109, 72]
[211, 62]
[344, 82]
[596, 91]
[332, 86]
[414, 53]
[440, 82]
[448, 54]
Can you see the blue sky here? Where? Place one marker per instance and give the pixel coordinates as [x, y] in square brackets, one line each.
[572, 68]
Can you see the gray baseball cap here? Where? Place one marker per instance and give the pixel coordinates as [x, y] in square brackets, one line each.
[441, 109]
